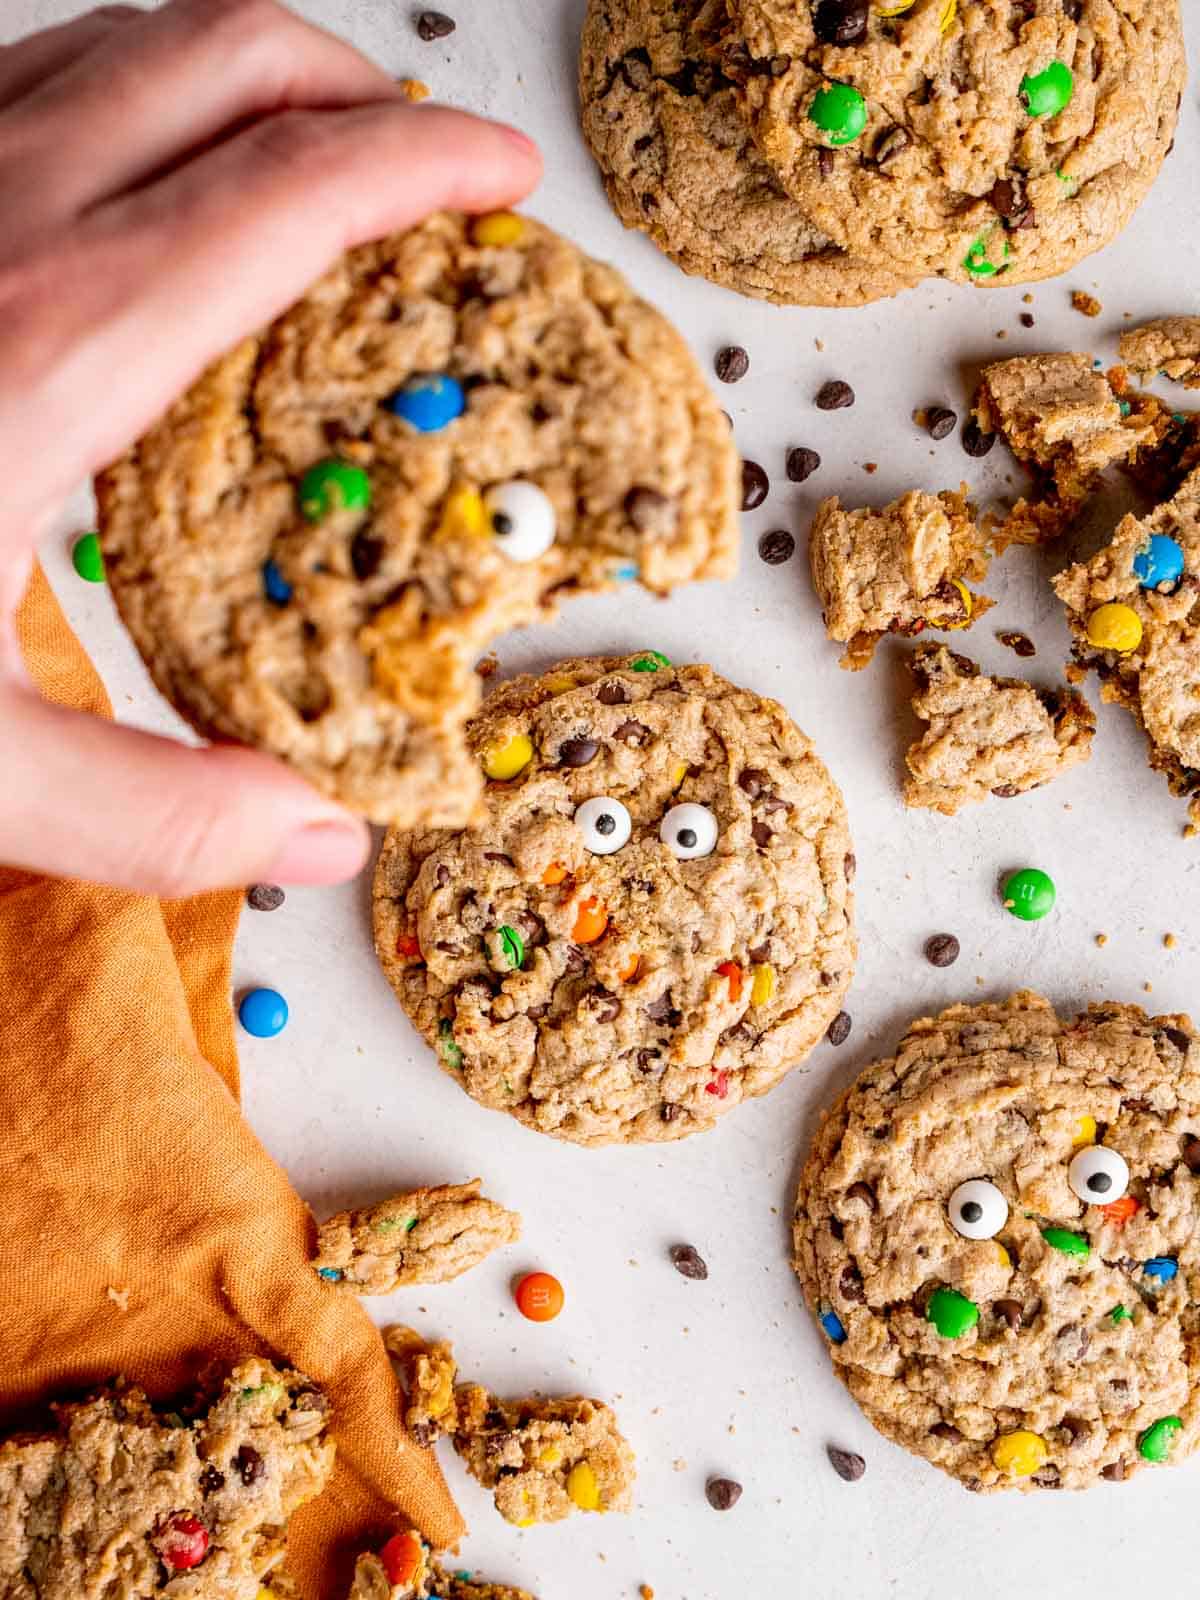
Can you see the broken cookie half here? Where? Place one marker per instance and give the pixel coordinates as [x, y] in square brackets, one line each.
[405, 1569]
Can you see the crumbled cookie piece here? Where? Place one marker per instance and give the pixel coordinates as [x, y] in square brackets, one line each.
[429, 1371]
[1060, 417]
[899, 570]
[1133, 615]
[191, 1502]
[426, 1236]
[1170, 345]
[404, 1570]
[988, 736]
[544, 1459]
[1086, 304]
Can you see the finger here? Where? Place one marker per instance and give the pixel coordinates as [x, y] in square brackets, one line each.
[231, 240]
[145, 98]
[31, 61]
[163, 818]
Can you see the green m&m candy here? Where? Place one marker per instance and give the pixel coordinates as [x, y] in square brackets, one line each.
[839, 111]
[1071, 1244]
[951, 1313]
[331, 486]
[650, 661]
[1158, 1440]
[978, 262]
[87, 560]
[1047, 93]
[449, 1053]
[1029, 894]
[512, 946]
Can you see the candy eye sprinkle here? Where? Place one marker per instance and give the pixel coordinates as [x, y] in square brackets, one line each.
[977, 1209]
[522, 519]
[1098, 1175]
[604, 823]
[689, 831]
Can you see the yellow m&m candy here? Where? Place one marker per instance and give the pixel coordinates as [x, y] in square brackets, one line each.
[1115, 627]
[1085, 1131]
[1021, 1453]
[503, 761]
[763, 985]
[583, 1488]
[498, 229]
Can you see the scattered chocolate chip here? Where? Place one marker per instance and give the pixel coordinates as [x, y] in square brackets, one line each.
[250, 1464]
[1027, 319]
[211, 1480]
[577, 752]
[723, 1493]
[942, 950]
[688, 1261]
[755, 485]
[732, 364]
[1009, 1311]
[974, 441]
[434, 25]
[848, 1465]
[801, 463]
[840, 21]
[862, 1191]
[651, 512]
[834, 396]
[366, 553]
[264, 897]
[777, 547]
[1020, 643]
[1191, 1152]
[940, 421]
[839, 1029]
[612, 694]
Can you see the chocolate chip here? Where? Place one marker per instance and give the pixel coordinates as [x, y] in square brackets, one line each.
[1114, 1471]
[669, 1113]
[732, 364]
[435, 25]
[366, 553]
[631, 732]
[825, 162]
[1071, 1343]
[942, 950]
[889, 145]
[211, 1480]
[688, 1261]
[846, 1463]
[1027, 319]
[850, 866]
[1019, 643]
[974, 441]
[777, 547]
[751, 780]
[605, 1007]
[1009, 1311]
[1179, 1039]
[863, 1192]
[839, 1029]
[264, 897]
[755, 485]
[1006, 791]
[442, 876]
[661, 1009]
[250, 1464]
[1076, 1428]
[577, 752]
[801, 463]
[840, 21]
[651, 512]
[850, 1285]
[612, 694]
[947, 1431]
[761, 834]
[834, 396]
[1191, 1152]
[723, 1493]
[1048, 1478]
[940, 421]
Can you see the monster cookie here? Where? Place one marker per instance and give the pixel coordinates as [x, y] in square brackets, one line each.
[991, 143]
[999, 1231]
[1170, 346]
[192, 1502]
[679, 164]
[425, 1236]
[1062, 418]
[429, 1371]
[899, 570]
[1133, 615]
[403, 1569]
[653, 921]
[453, 428]
[988, 736]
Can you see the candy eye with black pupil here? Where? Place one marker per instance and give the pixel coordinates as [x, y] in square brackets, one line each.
[522, 518]
[604, 823]
[689, 831]
[1098, 1175]
[977, 1209]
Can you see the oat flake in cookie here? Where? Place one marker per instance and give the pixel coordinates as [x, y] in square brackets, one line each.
[679, 164]
[654, 920]
[992, 143]
[454, 427]
[999, 1232]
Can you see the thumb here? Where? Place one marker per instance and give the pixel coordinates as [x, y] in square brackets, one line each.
[84, 798]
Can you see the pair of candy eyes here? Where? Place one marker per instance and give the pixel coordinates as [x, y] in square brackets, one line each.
[688, 830]
[1097, 1176]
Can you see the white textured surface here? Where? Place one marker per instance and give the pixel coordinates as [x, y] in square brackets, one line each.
[730, 1376]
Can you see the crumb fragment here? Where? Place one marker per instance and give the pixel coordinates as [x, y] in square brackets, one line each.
[488, 666]
[1086, 304]
[1169, 941]
[413, 89]
[1102, 940]
[1169, 346]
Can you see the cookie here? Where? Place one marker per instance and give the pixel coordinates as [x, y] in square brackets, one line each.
[455, 427]
[198, 1498]
[1170, 346]
[899, 570]
[999, 1230]
[423, 1236]
[429, 1372]
[988, 736]
[992, 143]
[431, 1581]
[654, 921]
[1062, 418]
[1133, 619]
[679, 164]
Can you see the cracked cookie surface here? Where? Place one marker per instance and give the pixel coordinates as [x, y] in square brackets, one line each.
[990, 143]
[635, 994]
[335, 620]
[679, 163]
[428, 1235]
[988, 736]
[182, 1503]
[1043, 1340]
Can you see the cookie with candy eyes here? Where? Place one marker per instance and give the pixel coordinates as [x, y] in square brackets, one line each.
[653, 920]
[998, 1230]
[454, 428]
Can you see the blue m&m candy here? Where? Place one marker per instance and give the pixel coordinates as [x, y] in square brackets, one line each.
[430, 402]
[1160, 562]
[276, 587]
[832, 1325]
[1161, 1268]
[263, 1012]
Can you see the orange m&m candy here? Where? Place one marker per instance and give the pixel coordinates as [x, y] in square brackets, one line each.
[1120, 1211]
[591, 919]
[402, 1558]
[554, 873]
[539, 1297]
[731, 970]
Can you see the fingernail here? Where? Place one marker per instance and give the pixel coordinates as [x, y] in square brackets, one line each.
[322, 852]
[524, 145]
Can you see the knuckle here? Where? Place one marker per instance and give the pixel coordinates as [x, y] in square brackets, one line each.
[296, 142]
[240, 19]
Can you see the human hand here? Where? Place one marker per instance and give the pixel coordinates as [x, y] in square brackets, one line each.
[169, 182]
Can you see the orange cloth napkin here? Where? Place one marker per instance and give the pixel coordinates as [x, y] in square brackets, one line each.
[145, 1229]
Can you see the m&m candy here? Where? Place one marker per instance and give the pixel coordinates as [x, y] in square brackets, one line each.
[1071, 1244]
[839, 111]
[429, 402]
[1047, 93]
[275, 586]
[951, 1313]
[1029, 894]
[502, 762]
[1160, 1269]
[1159, 563]
[87, 559]
[1021, 1453]
[333, 486]
[832, 1324]
[263, 1012]
[1158, 1440]
[1114, 627]
[539, 1297]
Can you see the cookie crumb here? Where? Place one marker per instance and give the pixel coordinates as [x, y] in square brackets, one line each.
[1019, 643]
[819, 345]
[870, 466]
[1102, 940]
[679, 1464]
[413, 90]
[1027, 299]
[1086, 304]
[1169, 941]
[119, 1297]
[645, 1592]
[1148, 988]
[1002, 333]
[488, 665]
